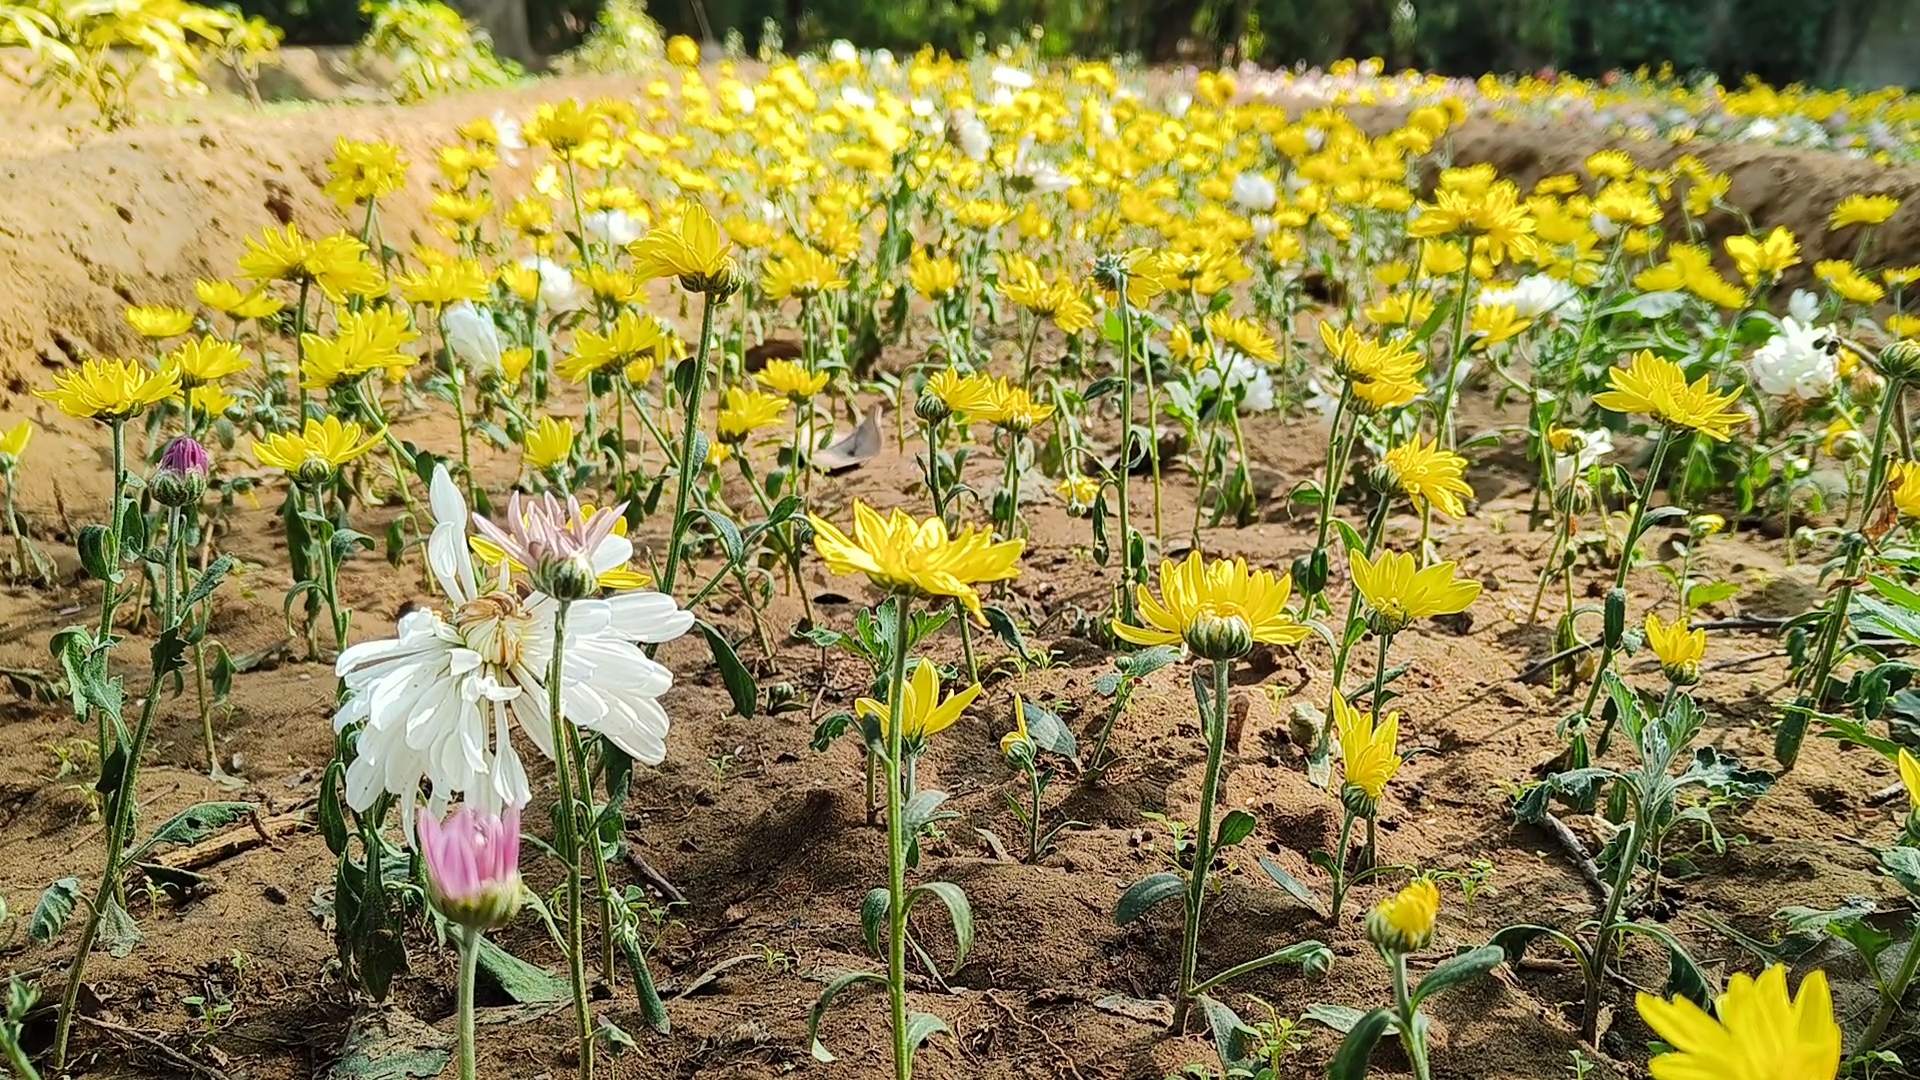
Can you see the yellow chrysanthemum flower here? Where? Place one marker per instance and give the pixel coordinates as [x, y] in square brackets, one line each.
[1403, 923]
[314, 454]
[792, 380]
[159, 321]
[747, 411]
[445, 283]
[917, 557]
[1904, 478]
[1493, 324]
[1018, 743]
[1909, 765]
[107, 389]
[802, 274]
[1014, 409]
[371, 339]
[363, 171]
[1764, 259]
[1658, 388]
[631, 337]
[1241, 335]
[934, 277]
[1849, 283]
[1863, 210]
[960, 395]
[13, 443]
[1429, 474]
[1397, 593]
[566, 126]
[335, 264]
[206, 359]
[1367, 750]
[1763, 1032]
[1219, 609]
[210, 400]
[548, 443]
[922, 712]
[237, 303]
[692, 248]
[1077, 490]
[1679, 649]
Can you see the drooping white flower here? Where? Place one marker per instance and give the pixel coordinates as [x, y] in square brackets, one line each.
[614, 227]
[1795, 362]
[472, 337]
[1255, 192]
[437, 704]
[559, 292]
[1242, 374]
[1534, 296]
[1582, 450]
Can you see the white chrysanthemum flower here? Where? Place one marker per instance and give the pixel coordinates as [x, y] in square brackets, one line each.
[1583, 450]
[1803, 307]
[1244, 375]
[1255, 192]
[472, 337]
[1795, 362]
[856, 97]
[615, 227]
[1012, 78]
[439, 702]
[842, 51]
[559, 292]
[970, 135]
[1535, 296]
[511, 138]
[1038, 176]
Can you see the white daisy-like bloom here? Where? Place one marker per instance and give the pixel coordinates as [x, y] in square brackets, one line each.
[1242, 374]
[1255, 192]
[472, 337]
[1795, 362]
[1038, 176]
[1535, 296]
[1803, 307]
[614, 227]
[559, 292]
[1584, 449]
[856, 97]
[438, 703]
[842, 51]
[1012, 78]
[511, 138]
[970, 135]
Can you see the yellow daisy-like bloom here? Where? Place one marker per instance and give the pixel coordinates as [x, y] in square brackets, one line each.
[368, 340]
[159, 321]
[1429, 474]
[206, 359]
[922, 712]
[792, 380]
[934, 277]
[1758, 259]
[1863, 210]
[234, 302]
[1218, 609]
[1078, 490]
[1403, 923]
[1382, 375]
[1013, 408]
[1241, 335]
[1399, 309]
[462, 210]
[961, 394]
[1496, 323]
[917, 557]
[802, 274]
[1763, 1032]
[1904, 478]
[683, 51]
[1849, 283]
[1909, 765]
[363, 171]
[1679, 649]
[1659, 389]
[106, 389]
[1367, 750]
[692, 248]
[1397, 593]
[13, 443]
[442, 284]
[317, 452]
[1018, 744]
[549, 443]
[565, 126]
[210, 400]
[514, 361]
[1610, 165]
[1496, 217]
[335, 264]
[747, 411]
[631, 337]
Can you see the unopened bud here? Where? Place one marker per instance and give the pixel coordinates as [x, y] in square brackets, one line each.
[567, 579]
[1901, 361]
[1219, 636]
[182, 476]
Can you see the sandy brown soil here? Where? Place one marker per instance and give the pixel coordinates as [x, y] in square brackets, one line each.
[775, 853]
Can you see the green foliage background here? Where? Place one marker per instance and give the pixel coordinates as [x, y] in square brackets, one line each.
[1782, 41]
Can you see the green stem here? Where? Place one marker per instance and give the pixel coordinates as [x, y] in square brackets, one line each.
[688, 467]
[1033, 822]
[567, 843]
[469, 967]
[1604, 934]
[1416, 1046]
[1216, 728]
[1890, 999]
[1340, 865]
[1632, 541]
[1127, 578]
[1456, 349]
[603, 881]
[897, 843]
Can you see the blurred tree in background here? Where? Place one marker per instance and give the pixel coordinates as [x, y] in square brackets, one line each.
[1782, 41]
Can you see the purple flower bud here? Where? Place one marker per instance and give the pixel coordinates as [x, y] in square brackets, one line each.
[182, 476]
[473, 865]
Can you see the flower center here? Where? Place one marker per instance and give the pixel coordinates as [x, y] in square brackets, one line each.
[494, 625]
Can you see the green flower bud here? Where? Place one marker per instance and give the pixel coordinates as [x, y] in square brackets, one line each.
[1219, 636]
[1616, 618]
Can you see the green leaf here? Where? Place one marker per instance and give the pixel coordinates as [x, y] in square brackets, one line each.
[731, 541]
[923, 810]
[118, 932]
[1146, 894]
[194, 824]
[1711, 593]
[56, 906]
[1049, 732]
[739, 681]
[210, 580]
[1684, 976]
[1293, 886]
[873, 912]
[1233, 1040]
[1456, 970]
[1004, 628]
[921, 1027]
[1338, 1017]
[525, 983]
[1350, 1063]
[391, 1045]
[1235, 827]
[958, 909]
[1514, 940]
[819, 1010]
[1903, 865]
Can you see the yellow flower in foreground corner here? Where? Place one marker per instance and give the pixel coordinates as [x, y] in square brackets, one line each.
[1368, 749]
[104, 389]
[1679, 649]
[312, 456]
[1763, 1032]
[922, 713]
[693, 249]
[1904, 478]
[1398, 594]
[159, 321]
[1429, 474]
[917, 557]
[548, 444]
[13, 443]
[1219, 609]
[1658, 388]
[1403, 923]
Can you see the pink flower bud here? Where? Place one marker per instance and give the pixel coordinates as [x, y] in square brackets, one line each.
[473, 865]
